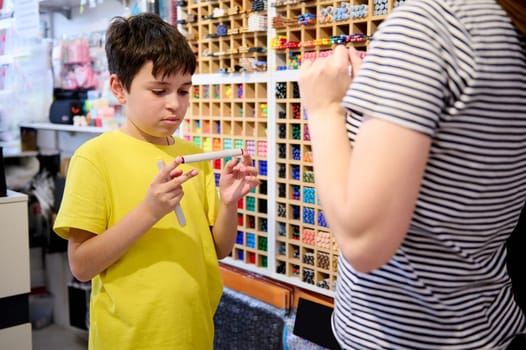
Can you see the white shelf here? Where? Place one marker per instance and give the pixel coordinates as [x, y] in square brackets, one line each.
[65, 127]
[285, 75]
[13, 197]
[246, 77]
[5, 92]
[16, 153]
[62, 139]
[233, 78]
[6, 23]
[10, 58]
[6, 59]
[13, 150]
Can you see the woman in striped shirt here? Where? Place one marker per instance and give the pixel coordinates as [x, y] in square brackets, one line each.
[423, 199]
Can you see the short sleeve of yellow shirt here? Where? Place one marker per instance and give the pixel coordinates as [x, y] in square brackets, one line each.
[162, 294]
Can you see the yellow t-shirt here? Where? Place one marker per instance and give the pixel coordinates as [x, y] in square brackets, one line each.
[162, 294]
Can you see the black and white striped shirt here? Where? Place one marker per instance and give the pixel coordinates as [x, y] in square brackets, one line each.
[454, 70]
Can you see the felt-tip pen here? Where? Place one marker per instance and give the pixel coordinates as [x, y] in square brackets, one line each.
[201, 157]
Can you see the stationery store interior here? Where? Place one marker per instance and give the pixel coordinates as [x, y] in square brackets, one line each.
[279, 279]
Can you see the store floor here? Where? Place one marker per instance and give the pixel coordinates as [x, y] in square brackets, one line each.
[55, 337]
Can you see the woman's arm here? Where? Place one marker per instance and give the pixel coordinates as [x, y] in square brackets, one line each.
[368, 193]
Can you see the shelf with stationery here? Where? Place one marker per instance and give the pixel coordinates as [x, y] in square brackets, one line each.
[282, 232]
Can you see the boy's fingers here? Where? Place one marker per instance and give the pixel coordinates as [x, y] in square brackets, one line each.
[177, 161]
[166, 171]
[179, 177]
[247, 159]
[186, 176]
[232, 163]
[173, 165]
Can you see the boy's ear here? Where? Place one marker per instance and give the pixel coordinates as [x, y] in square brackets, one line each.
[117, 88]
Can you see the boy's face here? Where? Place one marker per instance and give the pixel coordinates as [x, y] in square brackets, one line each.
[155, 107]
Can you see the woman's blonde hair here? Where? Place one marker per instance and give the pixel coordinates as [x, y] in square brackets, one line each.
[516, 9]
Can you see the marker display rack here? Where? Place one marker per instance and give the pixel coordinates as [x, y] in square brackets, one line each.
[282, 232]
[305, 249]
[228, 36]
[234, 115]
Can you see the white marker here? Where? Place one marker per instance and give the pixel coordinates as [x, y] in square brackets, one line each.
[201, 157]
[178, 210]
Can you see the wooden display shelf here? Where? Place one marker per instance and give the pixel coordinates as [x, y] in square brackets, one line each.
[263, 111]
[272, 292]
[218, 44]
[226, 116]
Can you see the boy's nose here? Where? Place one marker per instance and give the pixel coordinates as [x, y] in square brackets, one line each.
[173, 101]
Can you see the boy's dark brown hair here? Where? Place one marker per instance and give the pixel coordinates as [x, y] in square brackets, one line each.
[133, 41]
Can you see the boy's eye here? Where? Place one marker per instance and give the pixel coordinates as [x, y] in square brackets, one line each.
[184, 92]
[158, 91]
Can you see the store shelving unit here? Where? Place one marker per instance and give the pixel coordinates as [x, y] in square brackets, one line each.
[282, 231]
[234, 115]
[226, 34]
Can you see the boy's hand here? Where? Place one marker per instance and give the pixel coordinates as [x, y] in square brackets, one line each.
[237, 179]
[166, 189]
